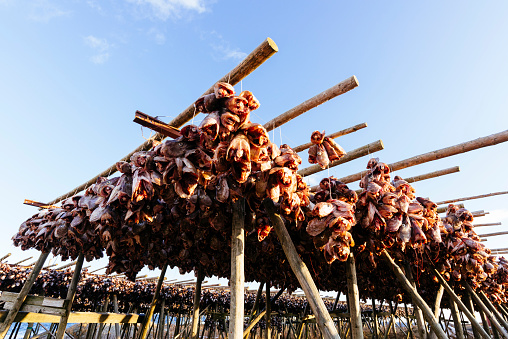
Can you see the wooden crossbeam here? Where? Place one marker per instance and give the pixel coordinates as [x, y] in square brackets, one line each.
[5, 257]
[443, 209]
[66, 265]
[156, 125]
[38, 204]
[22, 261]
[333, 136]
[76, 317]
[471, 198]
[492, 234]
[488, 224]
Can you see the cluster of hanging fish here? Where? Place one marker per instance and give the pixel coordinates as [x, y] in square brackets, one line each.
[324, 150]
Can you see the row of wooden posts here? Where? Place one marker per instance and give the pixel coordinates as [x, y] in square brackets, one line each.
[323, 320]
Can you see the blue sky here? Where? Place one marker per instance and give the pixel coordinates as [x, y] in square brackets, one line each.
[432, 74]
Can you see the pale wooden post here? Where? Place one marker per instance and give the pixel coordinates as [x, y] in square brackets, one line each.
[420, 322]
[461, 306]
[235, 330]
[115, 308]
[302, 273]
[146, 324]
[374, 317]
[494, 311]
[71, 292]
[355, 312]
[9, 319]
[104, 310]
[417, 299]
[197, 300]
[437, 308]
[456, 319]
[162, 315]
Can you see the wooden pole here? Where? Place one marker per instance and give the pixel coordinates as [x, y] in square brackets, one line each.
[461, 306]
[417, 299]
[71, 292]
[488, 305]
[237, 281]
[420, 322]
[253, 323]
[351, 155]
[443, 209]
[302, 273]
[148, 317]
[255, 59]
[98, 269]
[355, 312]
[488, 224]
[374, 318]
[471, 198]
[459, 333]
[162, 315]
[492, 234]
[66, 265]
[9, 319]
[5, 257]
[333, 136]
[256, 301]
[19, 262]
[341, 88]
[268, 314]
[115, 308]
[464, 147]
[197, 300]
[437, 308]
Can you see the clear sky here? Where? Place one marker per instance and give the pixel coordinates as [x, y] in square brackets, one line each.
[72, 73]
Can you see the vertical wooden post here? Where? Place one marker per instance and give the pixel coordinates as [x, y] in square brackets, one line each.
[456, 319]
[235, 330]
[148, 317]
[302, 273]
[71, 292]
[437, 308]
[420, 322]
[115, 308]
[486, 326]
[9, 319]
[355, 312]
[197, 300]
[461, 306]
[162, 316]
[410, 330]
[104, 310]
[375, 319]
[268, 314]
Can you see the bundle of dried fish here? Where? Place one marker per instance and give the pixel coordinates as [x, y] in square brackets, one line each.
[324, 150]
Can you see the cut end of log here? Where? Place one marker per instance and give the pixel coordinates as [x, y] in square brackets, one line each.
[272, 44]
[355, 80]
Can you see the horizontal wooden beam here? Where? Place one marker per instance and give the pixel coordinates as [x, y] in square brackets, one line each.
[255, 59]
[155, 124]
[38, 204]
[341, 88]
[471, 198]
[22, 261]
[464, 147]
[488, 224]
[351, 155]
[5, 257]
[333, 136]
[443, 209]
[77, 317]
[492, 234]
[500, 249]
[66, 265]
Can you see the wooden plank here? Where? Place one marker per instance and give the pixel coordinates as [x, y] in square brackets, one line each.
[157, 125]
[237, 281]
[325, 322]
[255, 59]
[77, 317]
[71, 292]
[332, 136]
[351, 155]
[36, 308]
[471, 198]
[354, 299]
[34, 299]
[38, 204]
[461, 306]
[334, 91]
[417, 299]
[11, 315]
[464, 147]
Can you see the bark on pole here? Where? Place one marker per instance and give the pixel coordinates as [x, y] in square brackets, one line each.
[437, 308]
[464, 147]
[268, 314]
[237, 281]
[341, 88]
[148, 320]
[197, 300]
[486, 310]
[451, 201]
[492, 234]
[323, 319]
[255, 59]
[494, 310]
[71, 292]
[351, 155]
[115, 308]
[461, 306]
[488, 224]
[417, 299]
[456, 319]
[420, 322]
[9, 319]
[355, 312]
[333, 136]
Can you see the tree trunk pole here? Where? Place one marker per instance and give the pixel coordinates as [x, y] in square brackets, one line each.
[494, 311]
[417, 299]
[146, 324]
[71, 292]
[162, 315]
[461, 306]
[323, 319]
[451, 201]
[374, 318]
[115, 308]
[9, 319]
[268, 314]
[437, 308]
[355, 312]
[456, 319]
[197, 300]
[236, 317]
[420, 322]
